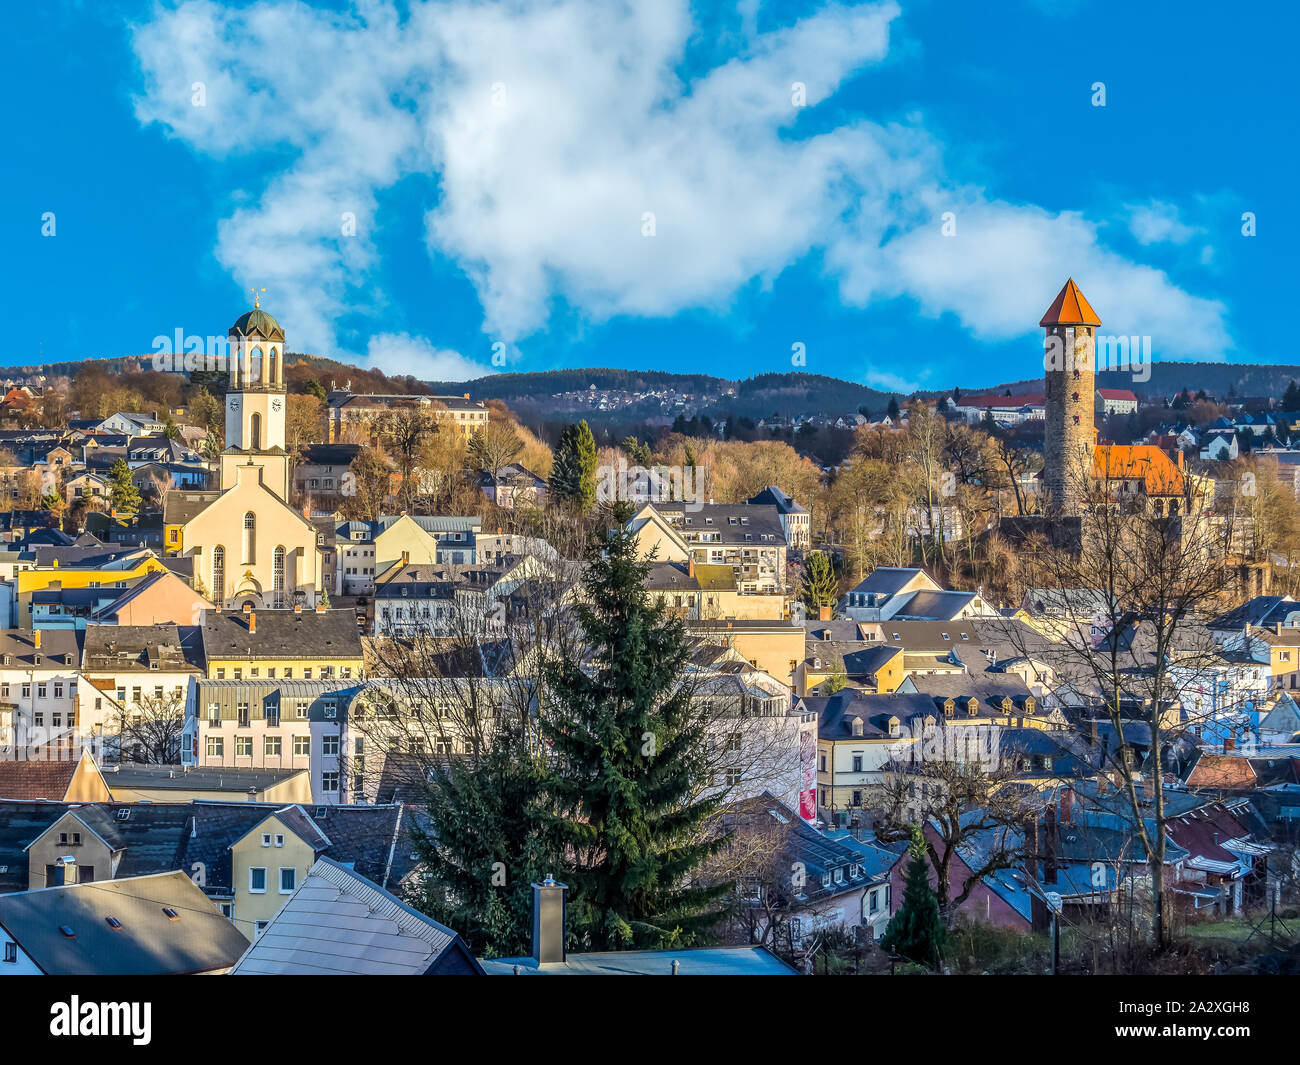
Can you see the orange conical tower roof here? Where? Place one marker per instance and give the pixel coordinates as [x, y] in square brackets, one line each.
[1070, 308]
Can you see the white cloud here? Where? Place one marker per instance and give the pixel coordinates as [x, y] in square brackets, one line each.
[604, 118]
[1159, 223]
[889, 382]
[401, 353]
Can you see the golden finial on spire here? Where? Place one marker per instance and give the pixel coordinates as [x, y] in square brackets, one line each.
[257, 302]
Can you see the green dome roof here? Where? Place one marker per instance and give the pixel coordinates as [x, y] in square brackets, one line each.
[258, 324]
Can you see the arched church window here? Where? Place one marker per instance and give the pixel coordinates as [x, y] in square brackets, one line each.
[218, 574]
[255, 432]
[250, 534]
[256, 369]
[276, 376]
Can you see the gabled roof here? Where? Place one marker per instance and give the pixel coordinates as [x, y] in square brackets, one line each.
[1070, 308]
[889, 580]
[148, 943]
[338, 923]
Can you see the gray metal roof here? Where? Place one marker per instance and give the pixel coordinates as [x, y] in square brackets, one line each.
[338, 923]
[195, 778]
[148, 943]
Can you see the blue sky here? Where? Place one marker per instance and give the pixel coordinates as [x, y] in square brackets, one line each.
[500, 164]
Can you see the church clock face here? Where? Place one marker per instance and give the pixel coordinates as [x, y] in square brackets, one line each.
[275, 405]
[234, 402]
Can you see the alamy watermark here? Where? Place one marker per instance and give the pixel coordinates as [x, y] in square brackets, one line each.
[651, 484]
[1126, 354]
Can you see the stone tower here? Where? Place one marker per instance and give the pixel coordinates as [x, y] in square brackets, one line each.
[1069, 361]
[256, 402]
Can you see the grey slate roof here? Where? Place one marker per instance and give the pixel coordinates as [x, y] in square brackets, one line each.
[282, 634]
[338, 923]
[149, 943]
[194, 778]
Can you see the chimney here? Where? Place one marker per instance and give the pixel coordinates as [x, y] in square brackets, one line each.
[1180, 459]
[1049, 845]
[65, 871]
[320, 608]
[252, 623]
[823, 613]
[297, 608]
[406, 558]
[247, 607]
[1067, 806]
[1229, 743]
[467, 395]
[690, 566]
[36, 639]
[550, 900]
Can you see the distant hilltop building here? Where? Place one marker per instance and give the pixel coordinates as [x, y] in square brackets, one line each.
[346, 407]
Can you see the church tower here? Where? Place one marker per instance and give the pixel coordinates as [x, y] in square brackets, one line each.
[256, 402]
[1069, 361]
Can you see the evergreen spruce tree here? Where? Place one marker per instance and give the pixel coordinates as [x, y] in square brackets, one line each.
[628, 744]
[1291, 397]
[820, 585]
[573, 475]
[484, 844]
[916, 931]
[123, 495]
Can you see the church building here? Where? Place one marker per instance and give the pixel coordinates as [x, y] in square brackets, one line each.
[249, 545]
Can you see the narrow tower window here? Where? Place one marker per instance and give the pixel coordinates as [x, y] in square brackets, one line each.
[218, 574]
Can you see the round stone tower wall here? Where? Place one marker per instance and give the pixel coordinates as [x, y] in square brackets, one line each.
[1068, 435]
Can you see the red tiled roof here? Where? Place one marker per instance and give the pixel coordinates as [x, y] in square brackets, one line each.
[1070, 308]
[1117, 393]
[36, 779]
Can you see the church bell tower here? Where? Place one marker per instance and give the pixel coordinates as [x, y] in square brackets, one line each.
[256, 402]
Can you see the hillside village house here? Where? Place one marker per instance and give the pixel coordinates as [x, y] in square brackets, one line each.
[749, 539]
[699, 592]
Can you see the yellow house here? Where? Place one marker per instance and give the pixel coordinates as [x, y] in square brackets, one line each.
[112, 569]
[874, 669]
[268, 863]
[315, 644]
[775, 647]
